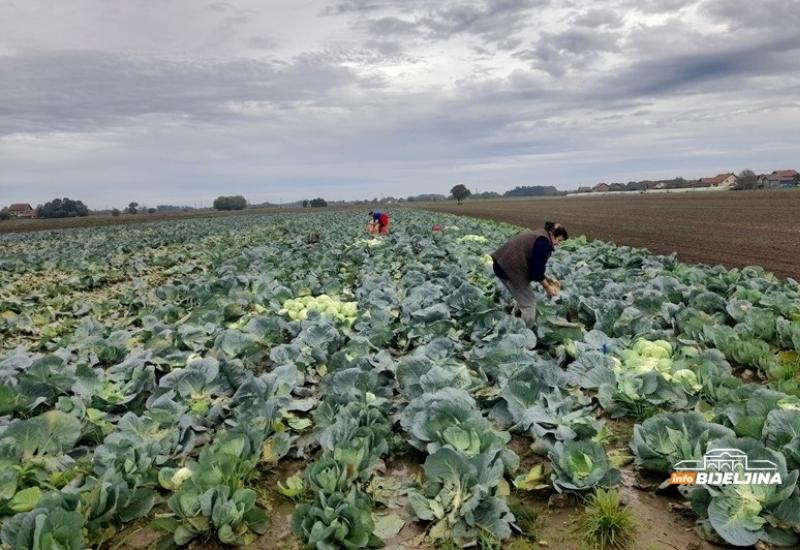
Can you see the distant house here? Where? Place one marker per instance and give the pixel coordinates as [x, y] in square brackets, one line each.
[720, 180]
[22, 210]
[697, 184]
[585, 189]
[617, 187]
[780, 178]
[600, 188]
[659, 185]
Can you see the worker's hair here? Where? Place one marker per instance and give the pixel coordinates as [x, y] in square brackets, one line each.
[559, 231]
[371, 212]
[550, 226]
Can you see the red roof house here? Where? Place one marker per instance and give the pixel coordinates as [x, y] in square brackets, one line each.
[22, 210]
[720, 180]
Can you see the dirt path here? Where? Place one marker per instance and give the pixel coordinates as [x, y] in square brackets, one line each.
[735, 229]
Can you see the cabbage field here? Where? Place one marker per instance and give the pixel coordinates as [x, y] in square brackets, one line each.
[238, 381]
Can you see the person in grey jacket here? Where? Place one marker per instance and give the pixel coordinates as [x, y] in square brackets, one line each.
[522, 260]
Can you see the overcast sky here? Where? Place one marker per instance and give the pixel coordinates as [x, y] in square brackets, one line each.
[178, 101]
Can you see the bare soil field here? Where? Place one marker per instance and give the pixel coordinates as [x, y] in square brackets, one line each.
[23, 226]
[735, 229]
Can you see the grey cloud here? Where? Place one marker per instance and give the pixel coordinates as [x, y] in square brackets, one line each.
[599, 18]
[782, 16]
[658, 6]
[707, 71]
[221, 6]
[238, 19]
[357, 6]
[494, 20]
[557, 53]
[352, 108]
[386, 48]
[391, 26]
[74, 91]
[262, 43]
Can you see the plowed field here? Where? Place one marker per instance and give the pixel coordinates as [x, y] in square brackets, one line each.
[735, 229]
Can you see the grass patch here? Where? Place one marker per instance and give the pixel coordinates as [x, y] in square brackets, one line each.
[605, 523]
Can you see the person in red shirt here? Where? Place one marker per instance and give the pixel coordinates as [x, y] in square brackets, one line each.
[380, 221]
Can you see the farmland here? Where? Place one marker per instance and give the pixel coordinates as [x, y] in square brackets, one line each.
[231, 380]
[734, 229]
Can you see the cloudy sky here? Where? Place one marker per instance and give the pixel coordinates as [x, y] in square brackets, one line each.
[178, 101]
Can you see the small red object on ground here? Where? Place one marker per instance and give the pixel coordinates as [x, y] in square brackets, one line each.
[437, 228]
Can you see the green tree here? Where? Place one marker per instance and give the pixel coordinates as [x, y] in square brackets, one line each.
[133, 208]
[62, 208]
[234, 202]
[115, 212]
[318, 203]
[460, 192]
[5, 214]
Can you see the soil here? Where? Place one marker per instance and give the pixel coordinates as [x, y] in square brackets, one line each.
[664, 522]
[733, 228]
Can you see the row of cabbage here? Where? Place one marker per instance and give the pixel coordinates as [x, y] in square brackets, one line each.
[193, 349]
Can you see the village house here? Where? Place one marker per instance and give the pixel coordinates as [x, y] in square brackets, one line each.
[778, 178]
[585, 189]
[22, 210]
[600, 188]
[720, 180]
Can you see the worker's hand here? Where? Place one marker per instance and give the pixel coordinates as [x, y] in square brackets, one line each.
[554, 283]
[551, 290]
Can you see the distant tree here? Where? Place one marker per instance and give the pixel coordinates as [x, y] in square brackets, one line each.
[151, 210]
[533, 191]
[62, 208]
[5, 214]
[236, 202]
[115, 212]
[747, 179]
[133, 208]
[318, 203]
[305, 204]
[797, 179]
[635, 186]
[460, 192]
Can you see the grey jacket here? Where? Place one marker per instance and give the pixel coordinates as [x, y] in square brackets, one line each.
[514, 256]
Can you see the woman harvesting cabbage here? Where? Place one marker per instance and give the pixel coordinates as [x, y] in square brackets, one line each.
[523, 260]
